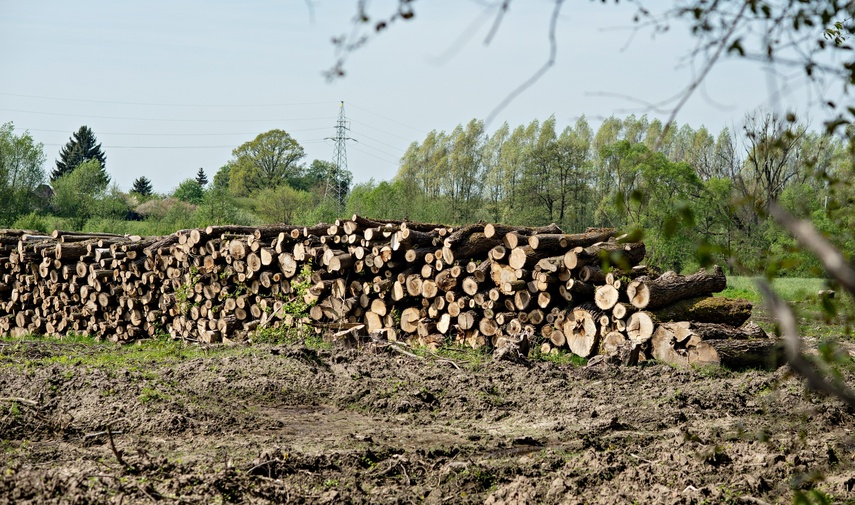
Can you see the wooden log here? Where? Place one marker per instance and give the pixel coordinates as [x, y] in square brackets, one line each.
[522, 299]
[640, 327]
[474, 245]
[610, 253]
[498, 253]
[445, 280]
[488, 327]
[499, 231]
[613, 341]
[561, 241]
[707, 309]
[414, 285]
[714, 331]
[467, 320]
[606, 296]
[582, 332]
[671, 287]
[765, 353]
[470, 285]
[410, 319]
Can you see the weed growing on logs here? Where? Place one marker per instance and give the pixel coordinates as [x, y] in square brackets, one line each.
[295, 315]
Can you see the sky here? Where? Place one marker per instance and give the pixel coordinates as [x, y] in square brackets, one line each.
[169, 86]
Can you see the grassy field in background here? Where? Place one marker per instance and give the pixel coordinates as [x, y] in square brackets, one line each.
[815, 319]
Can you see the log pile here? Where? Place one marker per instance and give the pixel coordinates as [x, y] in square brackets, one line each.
[431, 285]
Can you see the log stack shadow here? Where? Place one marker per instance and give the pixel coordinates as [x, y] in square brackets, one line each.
[478, 285]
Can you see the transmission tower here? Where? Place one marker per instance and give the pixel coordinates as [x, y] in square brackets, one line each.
[335, 190]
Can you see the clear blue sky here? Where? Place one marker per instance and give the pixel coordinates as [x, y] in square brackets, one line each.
[171, 86]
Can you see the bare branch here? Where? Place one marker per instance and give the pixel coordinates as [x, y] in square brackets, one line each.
[495, 28]
[553, 52]
[710, 63]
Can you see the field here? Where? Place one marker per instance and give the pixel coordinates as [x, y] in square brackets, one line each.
[300, 421]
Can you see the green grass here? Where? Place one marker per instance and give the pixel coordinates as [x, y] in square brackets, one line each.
[794, 290]
[816, 317]
[34, 351]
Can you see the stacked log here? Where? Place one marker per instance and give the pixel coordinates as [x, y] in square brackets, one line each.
[431, 285]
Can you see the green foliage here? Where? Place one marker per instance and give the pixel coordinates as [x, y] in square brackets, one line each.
[32, 221]
[559, 358]
[189, 191]
[78, 193]
[295, 308]
[314, 178]
[84, 350]
[283, 204]
[201, 177]
[21, 174]
[142, 186]
[268, 161]
[80, 148]
[818, 316]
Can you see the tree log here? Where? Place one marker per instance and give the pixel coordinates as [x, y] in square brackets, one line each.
[671, 287]
[706, 309]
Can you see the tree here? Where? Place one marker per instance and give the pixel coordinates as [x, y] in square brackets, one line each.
[464, 179]
[268, 161]
[189, 191]
[142, 186]
[201, 178]
[315, 176]
[81, 147]
[21, 173]
[76, 194]
[282, 204]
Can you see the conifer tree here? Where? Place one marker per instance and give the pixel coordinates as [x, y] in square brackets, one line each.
[142, 186]
[82, 146]
[201, 178]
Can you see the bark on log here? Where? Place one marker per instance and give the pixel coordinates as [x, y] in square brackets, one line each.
[498, 230]
[707, 309]
[714, 331]
[764, 354]
[613, 252]
[671, 287]
[564, 241]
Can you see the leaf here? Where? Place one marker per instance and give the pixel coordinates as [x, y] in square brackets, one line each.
[635, 235]
[736, 47]
[669, 227]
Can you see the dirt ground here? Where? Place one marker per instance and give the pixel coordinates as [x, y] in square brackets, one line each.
[298, 425]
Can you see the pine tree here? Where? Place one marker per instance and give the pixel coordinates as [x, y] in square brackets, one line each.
[142, 186]
[201, 178]
[82, 146]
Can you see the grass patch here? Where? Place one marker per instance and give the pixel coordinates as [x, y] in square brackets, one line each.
[817, 317]
[561, 357]
[33, 351]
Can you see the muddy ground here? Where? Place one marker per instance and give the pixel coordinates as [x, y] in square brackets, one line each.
[91, 424]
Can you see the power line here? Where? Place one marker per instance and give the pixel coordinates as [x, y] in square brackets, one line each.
[385, 144]
[408, 139]
[169, 134]
[378, 157]
[380, 150]
[230, 146]
[162, 104]
[166, 120]
[390, 119]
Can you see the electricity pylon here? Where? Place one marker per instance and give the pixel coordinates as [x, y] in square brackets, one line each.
[335, 190]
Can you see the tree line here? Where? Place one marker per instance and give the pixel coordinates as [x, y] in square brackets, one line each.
[693, 194]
